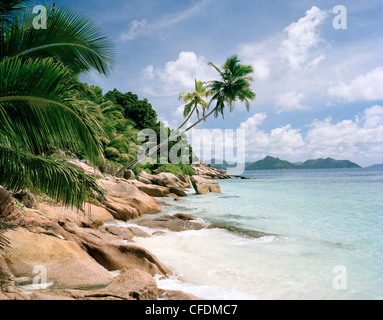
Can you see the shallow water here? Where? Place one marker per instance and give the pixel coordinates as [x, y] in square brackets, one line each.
[323, 238]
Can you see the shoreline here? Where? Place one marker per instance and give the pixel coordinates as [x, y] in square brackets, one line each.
[84, 255]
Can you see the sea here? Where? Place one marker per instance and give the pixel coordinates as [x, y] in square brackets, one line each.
[280, 235]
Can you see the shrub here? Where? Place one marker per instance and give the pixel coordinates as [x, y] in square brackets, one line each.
[187, 170]
[172, 168]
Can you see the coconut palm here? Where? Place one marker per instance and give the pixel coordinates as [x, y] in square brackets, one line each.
[234, 85]
[38, 72]
[193, 100]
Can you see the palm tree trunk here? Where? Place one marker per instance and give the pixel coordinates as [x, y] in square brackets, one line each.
[136, 161]
[188, 118]
[199, 121]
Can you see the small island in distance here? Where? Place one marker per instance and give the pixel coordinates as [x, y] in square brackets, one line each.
[271, 163]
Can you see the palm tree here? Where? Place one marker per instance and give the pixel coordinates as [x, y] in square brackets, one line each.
[193, 100]
[38, 72]
[234, 85]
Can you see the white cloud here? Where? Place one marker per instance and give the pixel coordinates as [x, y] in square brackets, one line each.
[358, 140]
[362, 137]
[142, 27]
[290, 101]
[284, 141]
[136, 28]
[254, 121]
[148, 72]
[179, 75]
[302, 36]
[292, 60]
[365, 87]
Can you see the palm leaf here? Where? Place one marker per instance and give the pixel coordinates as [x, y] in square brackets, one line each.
[72, 187]
[35, 109]
[71, 38]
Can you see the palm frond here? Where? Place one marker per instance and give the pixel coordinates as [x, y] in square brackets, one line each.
[71, 38]
[64, 184]
[35, 108]
[9, 8]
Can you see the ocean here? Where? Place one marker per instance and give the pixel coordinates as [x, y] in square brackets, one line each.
[289, 234]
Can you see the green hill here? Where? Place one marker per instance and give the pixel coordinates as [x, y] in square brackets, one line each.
[270, 163]
[328, 164]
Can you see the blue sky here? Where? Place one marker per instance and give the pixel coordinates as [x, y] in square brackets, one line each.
[319, 89]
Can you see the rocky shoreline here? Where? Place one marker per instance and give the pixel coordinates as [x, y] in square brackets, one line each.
[81, 255]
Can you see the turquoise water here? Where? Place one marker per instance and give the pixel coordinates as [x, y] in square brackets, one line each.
[323, 237]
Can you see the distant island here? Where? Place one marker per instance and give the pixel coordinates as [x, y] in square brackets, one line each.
[270, 163]
[376, 166]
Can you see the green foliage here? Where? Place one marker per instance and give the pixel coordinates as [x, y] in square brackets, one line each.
[172, 168]
[38, 70]
[70, 38]
[187, 170]
[140, 111]
[112, 153]
[175, 169]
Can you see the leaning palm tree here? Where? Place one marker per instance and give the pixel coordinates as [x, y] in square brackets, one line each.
[234, 85]
[38, 72]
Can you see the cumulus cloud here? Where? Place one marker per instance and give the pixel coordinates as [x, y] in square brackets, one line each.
[284, 141]
[302, 36]
[361, 137]
[366, 87]
[179, 75]
[291, 50]
[357, 139]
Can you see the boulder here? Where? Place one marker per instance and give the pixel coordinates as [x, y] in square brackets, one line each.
[202, 185]
[121, 209]
[144, 175]
[172, 223]
[35, 218]
[130, 284]
[129, 175]
[125, 201]
[144, 180]
[97, 213]
[122, 233]
[113, 255]
[79, 165]
[151, 189]
[9, 291]
[184, 216]
[9, 212]
[206, 171]
[27, 199]
[137, 232]
[175, 295]
[57, 213]
[167, 179]
[181, 177]
[63, 262]
[178, 191]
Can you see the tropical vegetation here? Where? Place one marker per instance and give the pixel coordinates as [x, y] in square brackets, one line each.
[47, 113]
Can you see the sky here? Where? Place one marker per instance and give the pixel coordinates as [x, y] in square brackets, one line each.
[318, 70]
